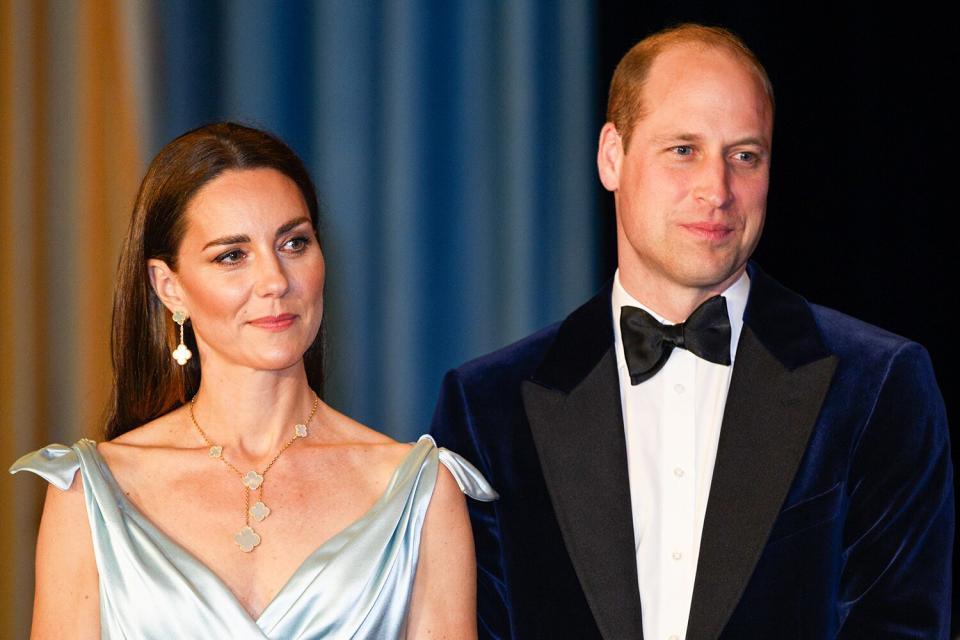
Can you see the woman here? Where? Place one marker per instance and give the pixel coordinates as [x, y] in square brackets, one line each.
[229, 501]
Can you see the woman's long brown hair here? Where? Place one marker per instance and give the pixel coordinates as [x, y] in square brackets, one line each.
[147, 382]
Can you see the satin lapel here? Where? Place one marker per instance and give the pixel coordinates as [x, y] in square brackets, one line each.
[580, 442]
[770, 411]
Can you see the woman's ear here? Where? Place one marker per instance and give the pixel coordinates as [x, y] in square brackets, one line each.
[166, 285]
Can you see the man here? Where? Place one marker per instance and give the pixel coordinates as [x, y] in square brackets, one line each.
[768, 469]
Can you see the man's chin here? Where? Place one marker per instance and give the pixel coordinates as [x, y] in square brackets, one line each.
[712, 276]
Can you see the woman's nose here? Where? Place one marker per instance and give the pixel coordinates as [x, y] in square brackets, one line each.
[272, 278]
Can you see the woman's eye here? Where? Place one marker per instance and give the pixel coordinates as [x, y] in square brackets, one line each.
[297, 244]
[230, 257]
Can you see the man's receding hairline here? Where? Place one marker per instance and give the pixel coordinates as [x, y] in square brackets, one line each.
[696, 37]
[702, 46]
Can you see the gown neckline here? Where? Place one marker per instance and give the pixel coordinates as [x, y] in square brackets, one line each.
[128, 507]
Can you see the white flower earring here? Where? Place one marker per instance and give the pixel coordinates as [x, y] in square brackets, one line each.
[181, 354]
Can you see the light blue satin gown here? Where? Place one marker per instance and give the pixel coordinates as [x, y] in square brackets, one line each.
[355, 585]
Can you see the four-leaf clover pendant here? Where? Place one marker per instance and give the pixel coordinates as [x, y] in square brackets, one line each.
[181, 354]
[259, 511]
[252, 480]
[247, 538]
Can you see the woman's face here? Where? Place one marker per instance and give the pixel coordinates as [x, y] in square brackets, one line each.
[250, 272]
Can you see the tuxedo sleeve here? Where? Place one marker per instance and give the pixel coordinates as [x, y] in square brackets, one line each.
[454, 427]
[898, 537]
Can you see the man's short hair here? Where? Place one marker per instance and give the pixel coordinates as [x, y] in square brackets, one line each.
[625, 103]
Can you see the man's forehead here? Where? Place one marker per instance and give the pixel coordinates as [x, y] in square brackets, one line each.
[688, 61]
[688, 73]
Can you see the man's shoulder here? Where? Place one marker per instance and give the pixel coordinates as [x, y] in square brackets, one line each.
[874, 356]
[563, 348]
[553, 356]
[797, 329]
[510, 364]
[845, 335]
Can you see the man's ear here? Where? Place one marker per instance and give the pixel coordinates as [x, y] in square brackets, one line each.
[166, 285]
[610, 157]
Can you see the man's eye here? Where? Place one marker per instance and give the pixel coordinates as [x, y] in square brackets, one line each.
[745, 156]
[230, 257]
[683, 150]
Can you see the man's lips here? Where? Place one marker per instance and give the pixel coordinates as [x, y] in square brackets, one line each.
[708, 230]
[275, 323]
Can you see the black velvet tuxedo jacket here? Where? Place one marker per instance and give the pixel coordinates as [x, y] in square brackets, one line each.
[830, 511]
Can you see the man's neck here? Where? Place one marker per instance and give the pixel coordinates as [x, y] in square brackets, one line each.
[669, 300]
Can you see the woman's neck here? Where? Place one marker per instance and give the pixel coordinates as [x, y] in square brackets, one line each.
[253, 413]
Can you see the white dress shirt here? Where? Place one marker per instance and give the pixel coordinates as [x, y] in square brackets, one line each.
[672, 426]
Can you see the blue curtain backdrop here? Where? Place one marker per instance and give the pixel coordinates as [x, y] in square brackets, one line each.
[453, 147]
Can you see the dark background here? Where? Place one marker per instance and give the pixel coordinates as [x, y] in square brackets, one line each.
[864, 156]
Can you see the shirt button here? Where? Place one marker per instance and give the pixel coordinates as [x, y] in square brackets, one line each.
[679, 388]
[676, 555]
[678, 472]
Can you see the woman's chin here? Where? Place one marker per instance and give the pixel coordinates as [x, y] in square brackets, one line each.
[271, 362]
[280, 363]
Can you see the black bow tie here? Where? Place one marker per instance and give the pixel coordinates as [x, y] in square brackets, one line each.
[647, 343]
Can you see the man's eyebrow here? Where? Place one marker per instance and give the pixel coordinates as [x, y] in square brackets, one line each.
[757, 142]
[695, 138]
[678, 137]
[240, 238]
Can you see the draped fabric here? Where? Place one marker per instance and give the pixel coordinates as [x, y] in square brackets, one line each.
[355, 585]
[452, 146]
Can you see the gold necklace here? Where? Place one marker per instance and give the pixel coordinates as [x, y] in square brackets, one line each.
[247, 538]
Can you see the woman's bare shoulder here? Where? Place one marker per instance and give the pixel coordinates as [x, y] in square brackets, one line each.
[335, 427]
[161, 440]
[378, 453]
[164, 431]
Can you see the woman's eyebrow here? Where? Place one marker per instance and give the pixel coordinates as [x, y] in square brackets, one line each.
[240, 239]
[296, 222]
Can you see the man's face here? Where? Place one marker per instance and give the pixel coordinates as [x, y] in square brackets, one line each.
[691, 189]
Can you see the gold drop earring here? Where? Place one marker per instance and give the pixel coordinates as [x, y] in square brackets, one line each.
[181, 354]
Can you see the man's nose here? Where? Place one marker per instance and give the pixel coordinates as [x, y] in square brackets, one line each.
[713, 183]
[272, 277]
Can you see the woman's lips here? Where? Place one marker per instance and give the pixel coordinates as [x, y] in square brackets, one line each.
[274, 323]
